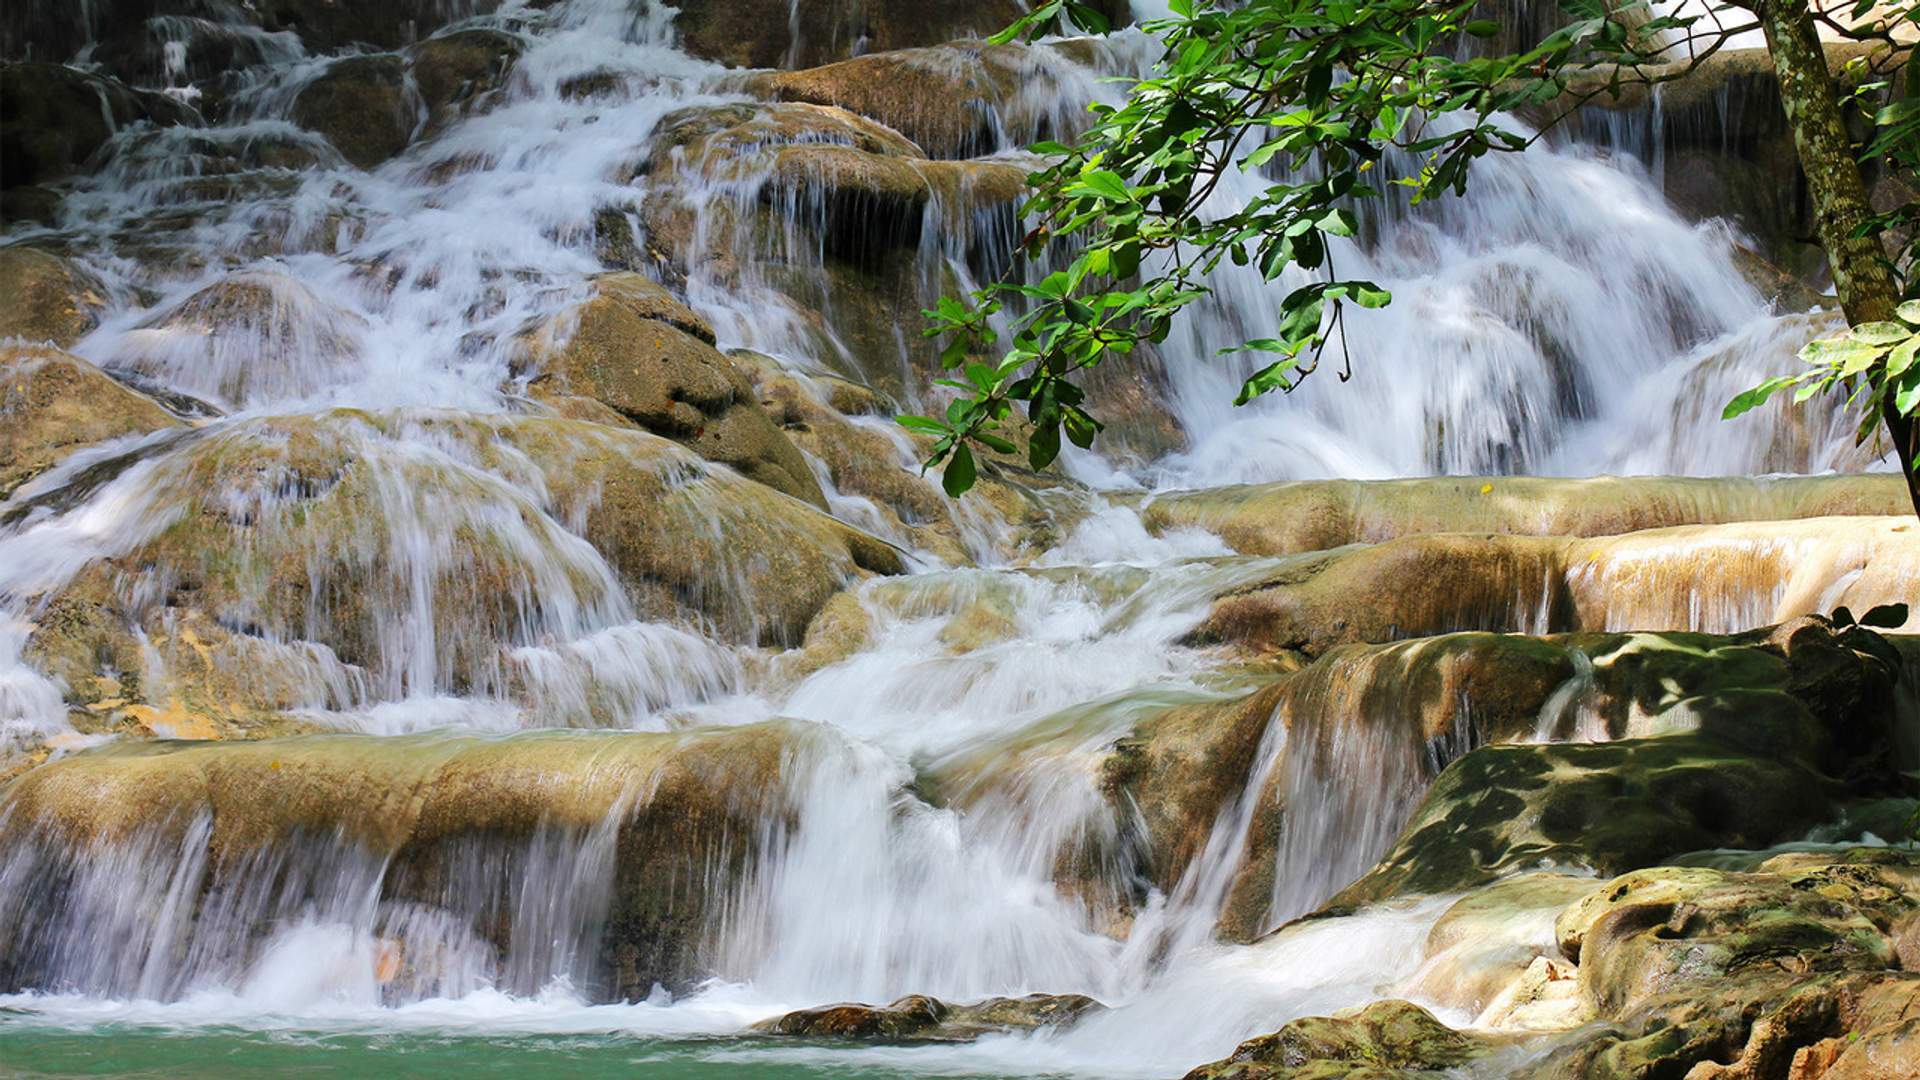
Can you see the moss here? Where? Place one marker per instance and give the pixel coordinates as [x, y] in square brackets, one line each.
[48, 298]
[361, 105]
[1380, 1040]
[53, 403]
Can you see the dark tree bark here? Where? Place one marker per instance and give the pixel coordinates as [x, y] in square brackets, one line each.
[1861, 274]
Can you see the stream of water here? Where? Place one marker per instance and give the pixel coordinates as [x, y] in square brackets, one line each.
[1565, 320]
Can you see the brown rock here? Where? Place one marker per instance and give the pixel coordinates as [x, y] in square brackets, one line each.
[53, 403]
[48, 298]
[362, 106]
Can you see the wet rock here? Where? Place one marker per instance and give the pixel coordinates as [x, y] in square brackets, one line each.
[1318, 515]
[55, 119]
[1383, 1040]
[53, 403]
[1753, 769]
[1492, 955]
[270, 585]
[47, 298]
[456, 73]
[954, 101]
[919, 1018]
[676, 821]
[767, 33]
[1719, 579]
[1720, 975]
[627, 349]
[362, 105]
[248, 338]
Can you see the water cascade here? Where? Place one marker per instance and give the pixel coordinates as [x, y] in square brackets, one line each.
[462, 593]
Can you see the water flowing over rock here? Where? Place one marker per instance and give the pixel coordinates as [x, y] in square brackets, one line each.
[465, 596]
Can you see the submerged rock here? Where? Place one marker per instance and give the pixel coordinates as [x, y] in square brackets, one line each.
[53, 403]
[918, 1018]
[648, 360]
[47, 298]
[1383, 1040]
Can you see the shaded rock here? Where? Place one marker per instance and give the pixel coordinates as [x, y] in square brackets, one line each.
[1383, 1040]
[53, 403]
[625, 349]
[48, 298]
[920, 1018]
[54, 119]
[456, 73]
[362, 105]
[1756, 770]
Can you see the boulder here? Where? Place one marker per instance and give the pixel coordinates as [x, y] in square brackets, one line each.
[1384, 1040]
[55, 119]
[956, 100]
[918, 1018]
[48, 298]
[457, 73]
[363, 106]
[246, 339]
[1768, 726]
[53, 403]
[628, 351]
[330, 561]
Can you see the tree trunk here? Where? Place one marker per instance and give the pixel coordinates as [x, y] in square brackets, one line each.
[1861, 274]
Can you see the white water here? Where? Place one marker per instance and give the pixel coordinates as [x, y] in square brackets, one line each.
[401, 291]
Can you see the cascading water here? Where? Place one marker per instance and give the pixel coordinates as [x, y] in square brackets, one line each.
[393, 545]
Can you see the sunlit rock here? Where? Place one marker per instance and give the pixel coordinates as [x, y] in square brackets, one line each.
[53, 403]
[47, 298]
[1386, 1038]
[648, 360]
[769, 33]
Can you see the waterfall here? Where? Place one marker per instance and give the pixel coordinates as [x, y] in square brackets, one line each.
[577, 727]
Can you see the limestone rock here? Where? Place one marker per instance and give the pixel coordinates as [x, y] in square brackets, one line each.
[362, 105]
[767, 33]
[626, 349]
[1383, 1040]
[54, 119]
[456, 73]
[919, 1018]
[48, 298]
[53, 403]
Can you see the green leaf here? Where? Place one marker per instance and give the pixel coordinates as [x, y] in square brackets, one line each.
[1886, 617]
[1102, 182]
[960, 473]
[1881, 333]
[1909, 312]
[1901, 358]
[1748, 400]
[1482, 28]
[925, 424]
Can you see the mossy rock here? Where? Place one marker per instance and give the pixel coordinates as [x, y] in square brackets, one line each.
[639, 353]
[767, 33]
[53, 403]
[362, 105]
[918, 1018]
[1382, 1041]
[48, 298]
[458, 73]
[55, 119]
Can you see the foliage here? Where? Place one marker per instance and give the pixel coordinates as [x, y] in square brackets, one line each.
[1312, 96]
[1873, 364]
